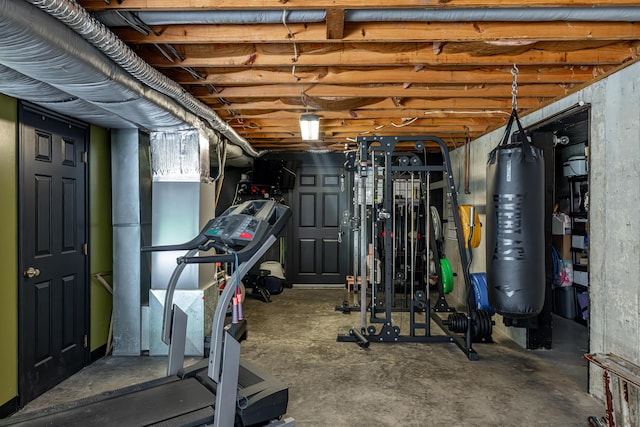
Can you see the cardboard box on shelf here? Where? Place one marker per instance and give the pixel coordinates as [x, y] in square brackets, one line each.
[563, 244]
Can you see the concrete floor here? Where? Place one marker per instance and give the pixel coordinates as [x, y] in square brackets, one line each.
[341, 384]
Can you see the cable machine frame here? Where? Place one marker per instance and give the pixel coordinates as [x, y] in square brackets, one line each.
[385, 146]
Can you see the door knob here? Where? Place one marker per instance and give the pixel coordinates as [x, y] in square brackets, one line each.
[31, 272]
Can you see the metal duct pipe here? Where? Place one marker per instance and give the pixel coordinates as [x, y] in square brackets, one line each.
[41, 48]
[126, 217]
[61, 59]
[524, 14]
[79, 20]
[113, 18]
[18, 85]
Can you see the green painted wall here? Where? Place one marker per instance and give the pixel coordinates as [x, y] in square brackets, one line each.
[8, 250]
[100, 251]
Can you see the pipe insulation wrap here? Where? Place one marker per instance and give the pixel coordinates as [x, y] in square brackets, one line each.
[41, 48]
[20, 86]
[113, 18]
[79, 20]
[524, 14]
[77, 80]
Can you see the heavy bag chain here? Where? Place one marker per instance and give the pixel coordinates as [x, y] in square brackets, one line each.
[514, 87]
[514, 114]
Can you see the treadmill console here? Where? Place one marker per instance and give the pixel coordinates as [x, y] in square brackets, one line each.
[233, 230]
[240, 230]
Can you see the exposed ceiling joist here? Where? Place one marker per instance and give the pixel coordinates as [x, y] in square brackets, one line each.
[407, 32]
[390, 74]
[257, 56]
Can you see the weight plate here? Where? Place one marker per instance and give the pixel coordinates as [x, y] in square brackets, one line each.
[479, 285]
[436, 223]
[447, 275]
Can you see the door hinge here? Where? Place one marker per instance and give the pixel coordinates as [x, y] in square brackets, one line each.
[84, 157]
[85, 249]
[86, 341]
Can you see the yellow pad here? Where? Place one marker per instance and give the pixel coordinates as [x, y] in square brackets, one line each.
[465, 215]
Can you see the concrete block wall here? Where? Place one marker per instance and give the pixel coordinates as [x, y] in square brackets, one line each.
[614, 233]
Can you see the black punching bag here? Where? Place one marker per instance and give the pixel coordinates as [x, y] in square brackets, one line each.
[515, 226]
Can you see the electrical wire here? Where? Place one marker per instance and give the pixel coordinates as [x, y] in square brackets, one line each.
[295, 46]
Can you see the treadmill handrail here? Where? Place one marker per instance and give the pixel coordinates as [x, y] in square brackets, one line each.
[190, 258]
[261, 235]
[198, 241]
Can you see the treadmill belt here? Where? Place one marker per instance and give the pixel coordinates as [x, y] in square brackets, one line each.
[156, 405]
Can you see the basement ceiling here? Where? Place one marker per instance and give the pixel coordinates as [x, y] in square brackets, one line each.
[408, 67]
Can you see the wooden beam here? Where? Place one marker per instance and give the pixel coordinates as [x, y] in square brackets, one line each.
[383, 91]
[291, 119]
[441, 32]
[365, 128]
[381, 54]
[436, 77]
[327, 123]
[424, 104]
[335, 24]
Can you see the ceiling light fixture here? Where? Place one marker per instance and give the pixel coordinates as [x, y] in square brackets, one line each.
[310, 127]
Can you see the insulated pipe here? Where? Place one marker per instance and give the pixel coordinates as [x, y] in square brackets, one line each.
[113, 18]
[41, 48]
[88, 76]
[523, 14]
[18, 85]
[79, 20]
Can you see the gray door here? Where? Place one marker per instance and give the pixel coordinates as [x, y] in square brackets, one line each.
[52, 221]
[319, 199]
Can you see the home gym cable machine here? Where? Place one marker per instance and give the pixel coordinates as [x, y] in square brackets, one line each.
[375, 225]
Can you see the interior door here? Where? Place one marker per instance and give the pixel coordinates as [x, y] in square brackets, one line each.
[53, 221]
[321, 242]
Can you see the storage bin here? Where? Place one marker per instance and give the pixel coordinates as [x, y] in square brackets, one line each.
[583, 305]
[575, 165]
[581, 278]
[564, 302]
[560, 224]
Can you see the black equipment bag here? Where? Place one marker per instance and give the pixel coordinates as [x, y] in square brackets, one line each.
[274, 282]
[515, 226]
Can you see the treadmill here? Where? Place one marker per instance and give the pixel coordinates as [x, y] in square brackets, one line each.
[222, 390]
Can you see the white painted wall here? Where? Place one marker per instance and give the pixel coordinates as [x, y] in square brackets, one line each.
[614, 233]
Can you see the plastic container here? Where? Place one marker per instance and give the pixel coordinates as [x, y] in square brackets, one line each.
[575, 165]
[564, 302]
